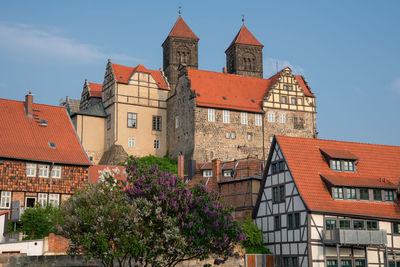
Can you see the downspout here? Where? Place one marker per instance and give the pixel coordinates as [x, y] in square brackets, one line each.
[263, 138]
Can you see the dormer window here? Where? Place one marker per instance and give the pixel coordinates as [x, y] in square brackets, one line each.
[342, 165]
[348, 165]
[335, 165]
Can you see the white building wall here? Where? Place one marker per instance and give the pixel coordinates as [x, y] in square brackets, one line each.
[374, 256]
[283, 243]
[30, 247]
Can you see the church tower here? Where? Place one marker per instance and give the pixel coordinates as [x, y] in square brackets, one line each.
[244, 55]
[180, 47]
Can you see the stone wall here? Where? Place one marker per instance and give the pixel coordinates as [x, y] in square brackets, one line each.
[226, 141]
[180, 120]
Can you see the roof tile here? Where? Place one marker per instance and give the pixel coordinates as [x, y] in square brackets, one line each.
[181, 29]
[23, 138]
[124, 73]
[306, 163]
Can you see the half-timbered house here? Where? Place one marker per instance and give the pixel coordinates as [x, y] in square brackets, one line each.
[330, 204]
[41, 158]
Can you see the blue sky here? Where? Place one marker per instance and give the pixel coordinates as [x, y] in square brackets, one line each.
[347, 50]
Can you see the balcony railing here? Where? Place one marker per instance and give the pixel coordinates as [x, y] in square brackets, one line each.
[355, 237]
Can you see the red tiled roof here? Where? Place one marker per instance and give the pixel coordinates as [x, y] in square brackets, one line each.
[95, 89]
[339, 154]
[306, 163]
[181, 29]
[244, 36]
[23, 138]
[220, 90]
[303, 85]
[349, 180]
[123, 73]
[230, 91]
[94, 174]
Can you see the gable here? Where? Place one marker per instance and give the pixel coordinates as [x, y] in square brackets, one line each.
[289, 91]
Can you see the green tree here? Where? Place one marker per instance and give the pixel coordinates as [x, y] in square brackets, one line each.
[254, 240]
[164, 164]
[103, 223]
[38, 222]
[205, 223]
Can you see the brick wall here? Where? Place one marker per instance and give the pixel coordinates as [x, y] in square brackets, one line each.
[13, 178]
[56, 245]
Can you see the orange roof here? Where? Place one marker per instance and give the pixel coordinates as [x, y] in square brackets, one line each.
[95, 89]
[94, 174]
[348, 180]
[306, 163]
[338, 154]
[181, 29]
[220, 90]
[23, 138]
[124, 73]
[244, 36]
[230, 91]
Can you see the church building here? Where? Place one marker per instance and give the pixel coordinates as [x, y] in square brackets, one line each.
[231, 114]
[200, 114]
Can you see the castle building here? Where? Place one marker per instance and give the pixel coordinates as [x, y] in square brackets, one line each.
[126, 115]
[196, 113]
[330, 203]
[234, 114]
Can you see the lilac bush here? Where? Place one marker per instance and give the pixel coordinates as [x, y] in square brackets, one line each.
[205, 224]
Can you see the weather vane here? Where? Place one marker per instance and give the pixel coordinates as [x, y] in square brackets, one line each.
[243, 19]
[180, 12]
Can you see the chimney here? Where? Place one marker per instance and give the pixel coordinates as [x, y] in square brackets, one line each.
[29, 105]
[181, 168]
[191, 168]
[216, 169]
[224, 70]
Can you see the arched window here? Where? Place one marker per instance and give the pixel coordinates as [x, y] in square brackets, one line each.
[249, 62]
[183, 55]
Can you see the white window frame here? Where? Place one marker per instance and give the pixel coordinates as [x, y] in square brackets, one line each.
[243, 116]
[284, 99]
[44, 171]
[271, 116]
[31, 169]
[207, 173]
[233, 135]
[156, 144]
[54, 200]
[5, 200]
[131, 141]
[249, 137]
[258, 119]
[131, 120]
[282, 118]
[211, 114]
[42, 199]
[227, 173]
[176, 122]
[227, 135]
[56, 172]
[225, 116]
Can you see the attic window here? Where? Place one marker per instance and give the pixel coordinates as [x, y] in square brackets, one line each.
[198, 94]
[52, 145]
[224, 98]
[43, 123]
[252, 101]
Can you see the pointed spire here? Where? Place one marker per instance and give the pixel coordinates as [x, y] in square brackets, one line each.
[244, 36]
[181, 29]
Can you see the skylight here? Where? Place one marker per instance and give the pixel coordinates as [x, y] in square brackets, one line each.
[52, 145]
